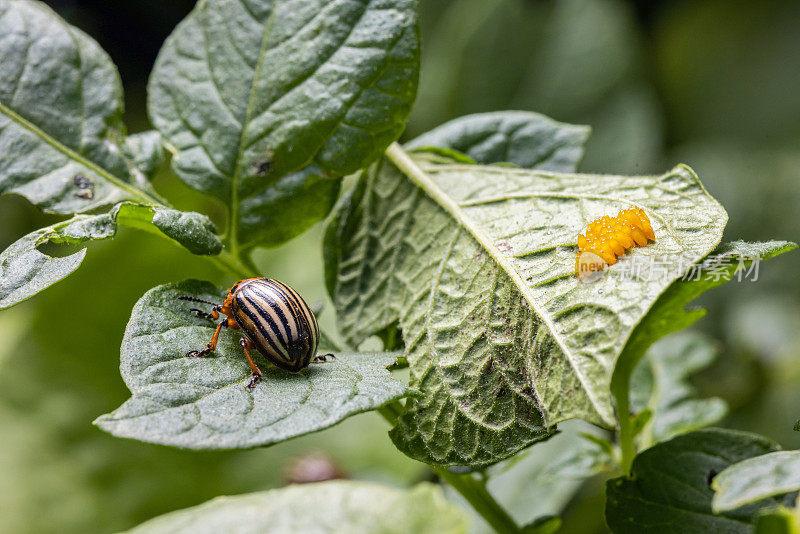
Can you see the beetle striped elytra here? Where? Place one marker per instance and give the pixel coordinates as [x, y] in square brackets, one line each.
[274, 319]
[609, 237]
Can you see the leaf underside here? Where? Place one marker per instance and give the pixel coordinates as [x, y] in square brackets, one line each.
[755, 479]
[338, 506]
[660, 384]
[502, 338]
[202, 403]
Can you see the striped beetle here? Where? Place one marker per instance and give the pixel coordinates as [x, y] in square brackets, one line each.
[274, 319]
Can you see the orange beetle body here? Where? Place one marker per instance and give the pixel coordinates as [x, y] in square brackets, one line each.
[610, 237]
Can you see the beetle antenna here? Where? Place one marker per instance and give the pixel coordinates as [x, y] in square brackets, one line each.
[195, 299]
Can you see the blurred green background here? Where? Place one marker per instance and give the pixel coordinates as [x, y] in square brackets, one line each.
[709, 83]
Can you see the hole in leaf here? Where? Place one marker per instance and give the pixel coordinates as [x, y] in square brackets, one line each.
[58, 250]
[391, 337]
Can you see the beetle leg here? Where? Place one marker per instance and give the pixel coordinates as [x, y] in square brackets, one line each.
[323, 357]
[256, 376]
[212, 345]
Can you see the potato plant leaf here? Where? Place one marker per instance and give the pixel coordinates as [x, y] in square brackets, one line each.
[25, 269]
[145, 153]
[335, 506]
[669, 488]
[287, 208]
[755, 479]
[660, 384]
[60, 115]
[524, 138]
[202, 403]
[477, 265]
[250, 91]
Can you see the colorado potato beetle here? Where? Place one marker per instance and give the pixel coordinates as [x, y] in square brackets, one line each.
[274, 319]
[609, 237]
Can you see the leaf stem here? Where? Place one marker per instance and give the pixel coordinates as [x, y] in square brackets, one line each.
[231, 235]
[235, 267]
[620, 389]
[391, 411]
[247, 261]
[472, 489]
[626, 444]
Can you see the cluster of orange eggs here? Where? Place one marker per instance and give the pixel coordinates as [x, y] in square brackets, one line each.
[609, 237]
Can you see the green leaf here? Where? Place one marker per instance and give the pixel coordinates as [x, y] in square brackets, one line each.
[60, 115]
[25, 270]
[660, 384]
[193, 230]
[336, 506]
[797, 426]
[202, 403]
[669, 486]
[478, 266]
[669, 313]
[248, 92]
[145, 153]
[778, 520]
[605, 445]
[526, 139]
[287, 208]
[577, 459]
[755, 479]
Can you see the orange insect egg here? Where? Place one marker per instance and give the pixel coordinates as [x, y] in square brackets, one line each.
[609, 237]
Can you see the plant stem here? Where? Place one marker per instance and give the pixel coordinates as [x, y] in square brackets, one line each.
[620, 389]
[626, 444]
[247, 260]
[228, 263]
[391, 411]
[472, 489]
[231, 236]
